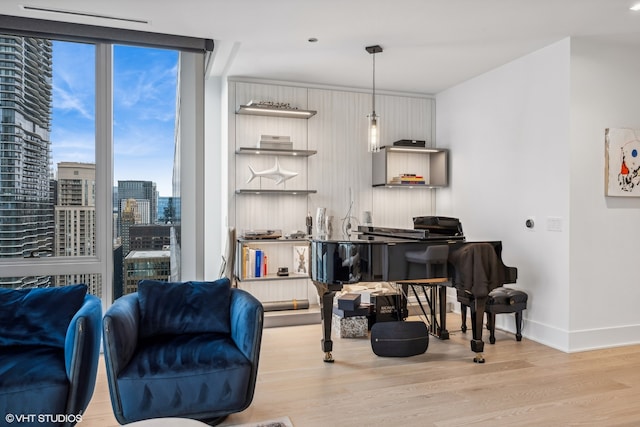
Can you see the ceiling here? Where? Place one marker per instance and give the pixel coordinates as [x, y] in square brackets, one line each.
[429, 45]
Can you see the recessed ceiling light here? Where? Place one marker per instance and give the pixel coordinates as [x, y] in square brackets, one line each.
[635, 7]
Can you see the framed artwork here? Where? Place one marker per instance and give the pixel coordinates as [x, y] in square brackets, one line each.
[622, 162]
[300, 259]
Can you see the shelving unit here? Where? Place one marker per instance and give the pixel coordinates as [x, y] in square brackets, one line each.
[392, 162]
[260, 201]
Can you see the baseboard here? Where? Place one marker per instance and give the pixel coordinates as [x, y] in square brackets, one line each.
[571, 341]
[308, 316]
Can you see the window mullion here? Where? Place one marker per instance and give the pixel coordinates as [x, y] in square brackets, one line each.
[104, 165]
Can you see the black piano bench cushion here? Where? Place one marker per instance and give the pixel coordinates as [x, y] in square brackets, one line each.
[506, 300]
[399, 339]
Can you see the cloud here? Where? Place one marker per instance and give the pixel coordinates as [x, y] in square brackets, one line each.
[65, 100]
[144, 90]
[145, 86]
[74, 79]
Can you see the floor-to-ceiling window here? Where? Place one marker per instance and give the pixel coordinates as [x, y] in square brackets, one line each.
[79, 121]
[48, 162]
[144, 142]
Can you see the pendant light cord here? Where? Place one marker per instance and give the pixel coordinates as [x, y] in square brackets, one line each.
[374, 84]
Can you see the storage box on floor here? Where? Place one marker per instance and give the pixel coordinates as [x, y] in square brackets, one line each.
[356, 308]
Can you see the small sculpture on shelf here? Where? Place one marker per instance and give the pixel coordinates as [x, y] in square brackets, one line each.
[276, 173]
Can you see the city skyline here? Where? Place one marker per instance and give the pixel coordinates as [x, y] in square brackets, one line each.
[49, 163]
[144, 90]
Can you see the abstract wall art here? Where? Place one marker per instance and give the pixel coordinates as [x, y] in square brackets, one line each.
[622, 162]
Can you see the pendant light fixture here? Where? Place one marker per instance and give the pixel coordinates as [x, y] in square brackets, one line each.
[374, 119]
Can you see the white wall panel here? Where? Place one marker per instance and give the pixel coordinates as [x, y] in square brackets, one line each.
[341, 171]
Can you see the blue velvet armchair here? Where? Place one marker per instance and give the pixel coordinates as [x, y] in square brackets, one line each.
[49, 350]
[184, 349]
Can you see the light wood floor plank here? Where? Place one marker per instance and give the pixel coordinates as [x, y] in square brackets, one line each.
[522, 383]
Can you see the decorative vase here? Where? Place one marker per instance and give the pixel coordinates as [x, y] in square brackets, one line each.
[328, 227]
[321, 224]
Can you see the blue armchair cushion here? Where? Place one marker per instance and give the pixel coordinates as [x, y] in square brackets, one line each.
[26, 314]
[186, 374]
[184, 307]
[33, 380]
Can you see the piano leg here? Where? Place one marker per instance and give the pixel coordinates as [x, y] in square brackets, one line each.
[463, 315]
[326, 311]
[477, 321]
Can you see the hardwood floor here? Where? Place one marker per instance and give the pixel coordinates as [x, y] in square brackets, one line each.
[521, 384]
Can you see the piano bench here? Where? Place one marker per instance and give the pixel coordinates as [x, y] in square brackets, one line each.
[501, 300]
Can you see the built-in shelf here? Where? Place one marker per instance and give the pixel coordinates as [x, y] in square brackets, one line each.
[278, 253]
[278, 240]
[260, 110]
[275, 151]
[258, 191]
[409, 186]
[429, 165]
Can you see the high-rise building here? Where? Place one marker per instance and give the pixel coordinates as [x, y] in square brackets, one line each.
[26, 201]
[127, 219]
[153, 237]
[150, 265]
[138, 190]
[167, 210]
[75, 219]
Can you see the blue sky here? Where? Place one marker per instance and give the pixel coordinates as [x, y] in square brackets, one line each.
[144, 90]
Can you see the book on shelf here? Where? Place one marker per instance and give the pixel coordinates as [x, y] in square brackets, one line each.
[254, 263]
[408, 178]
[275, 142]
[258, 264]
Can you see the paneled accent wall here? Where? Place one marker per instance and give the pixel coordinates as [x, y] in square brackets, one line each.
[340, 172]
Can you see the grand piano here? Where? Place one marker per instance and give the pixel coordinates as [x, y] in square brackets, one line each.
[378, 254]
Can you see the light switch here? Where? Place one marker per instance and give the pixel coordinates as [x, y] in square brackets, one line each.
[554, 223]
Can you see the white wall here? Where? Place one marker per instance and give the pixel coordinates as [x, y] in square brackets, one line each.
[604, 230]
[508, 132]
[215, 176]
[527, 139]
[192, 180]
